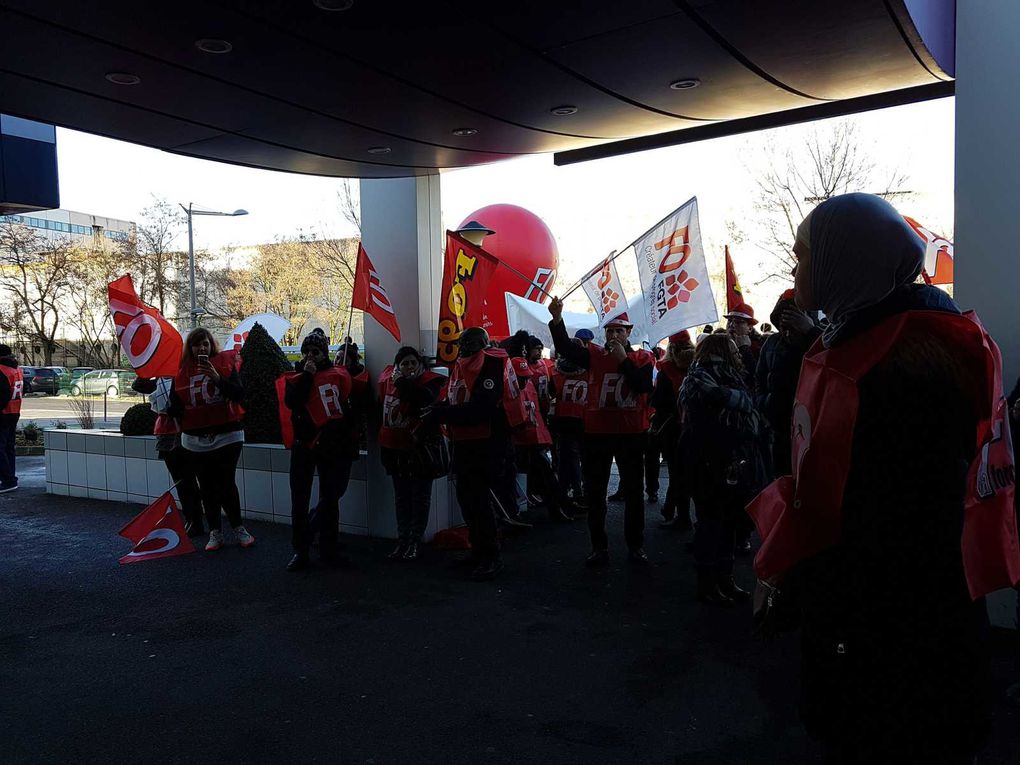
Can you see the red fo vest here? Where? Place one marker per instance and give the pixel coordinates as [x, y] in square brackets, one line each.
[397, 422]
[612, 407]
[204, 407]
[534, 431]
[16, 379]
[462, 382]
[800, 515]
[571, 396]
[330, 388]
[540, 379]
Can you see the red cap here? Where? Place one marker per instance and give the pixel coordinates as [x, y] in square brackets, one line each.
[742, 311]
[680, 337]
[620, 321]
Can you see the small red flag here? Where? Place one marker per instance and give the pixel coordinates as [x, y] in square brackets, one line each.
[370, 296]
[734, 293]
[152, 344]
[157, 532]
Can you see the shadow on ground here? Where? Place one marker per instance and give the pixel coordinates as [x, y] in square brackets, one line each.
[224, 657]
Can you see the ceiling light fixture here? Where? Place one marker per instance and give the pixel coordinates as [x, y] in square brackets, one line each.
[461, 132]
[333, 5]
[563, 111]
[379, 150]
[685, 84]
[123, 78]
[212, 45]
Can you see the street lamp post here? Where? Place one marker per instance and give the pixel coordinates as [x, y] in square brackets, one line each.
[195, 311]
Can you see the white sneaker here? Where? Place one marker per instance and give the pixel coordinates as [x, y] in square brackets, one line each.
[244, 537]
[215, 540]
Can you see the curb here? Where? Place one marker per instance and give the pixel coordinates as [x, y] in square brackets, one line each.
[29, 451]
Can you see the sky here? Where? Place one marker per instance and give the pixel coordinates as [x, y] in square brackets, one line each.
[591, 208]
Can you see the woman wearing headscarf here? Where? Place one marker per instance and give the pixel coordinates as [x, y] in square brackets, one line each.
[721, 448]
[898, 516]
[406, 388]
[676, 508]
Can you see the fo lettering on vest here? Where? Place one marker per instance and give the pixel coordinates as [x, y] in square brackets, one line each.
[16, 381]
[612, 406]
[204, 405]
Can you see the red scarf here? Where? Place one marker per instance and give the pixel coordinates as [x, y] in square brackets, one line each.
[799, 516]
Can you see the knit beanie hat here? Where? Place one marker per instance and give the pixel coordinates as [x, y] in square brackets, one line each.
[316, 340]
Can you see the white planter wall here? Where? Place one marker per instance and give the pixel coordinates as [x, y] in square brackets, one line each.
[105, 465]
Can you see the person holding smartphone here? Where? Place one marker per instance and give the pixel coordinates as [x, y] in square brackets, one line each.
[206, 399]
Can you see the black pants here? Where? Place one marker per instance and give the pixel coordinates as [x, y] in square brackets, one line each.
[217, 485]
[413, 500]
[678, 496]
[7, 475]
[715, 538]
[542, 480]
[652, 455]
[477, 469]
[334, 469]
[181, 464]
[599, 451]
[568, 463]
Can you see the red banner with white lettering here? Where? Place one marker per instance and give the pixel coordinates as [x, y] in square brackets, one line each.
[370, 295]
[152, 344]
[462, 297]
[157, 532]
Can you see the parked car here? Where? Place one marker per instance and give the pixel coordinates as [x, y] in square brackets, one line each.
[112, 382]
[44, 380]
[68, 378]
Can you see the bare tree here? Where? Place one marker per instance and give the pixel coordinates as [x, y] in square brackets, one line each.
[349, 201]
[37, 274]
[157, 269]
[86, 309]
[832, 160]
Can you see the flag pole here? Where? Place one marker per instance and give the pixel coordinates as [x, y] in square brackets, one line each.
[525, 278]
[350, 320]
[612, 256]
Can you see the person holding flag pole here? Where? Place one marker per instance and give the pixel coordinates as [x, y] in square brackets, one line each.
[616, 426]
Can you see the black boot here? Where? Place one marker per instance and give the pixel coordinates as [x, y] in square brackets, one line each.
[730, 589]
[597, 559]
[411, 552]
[398, 551]
[299, 562]
[708, 589]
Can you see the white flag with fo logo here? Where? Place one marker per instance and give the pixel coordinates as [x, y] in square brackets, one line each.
[604, 290]
[674, 275]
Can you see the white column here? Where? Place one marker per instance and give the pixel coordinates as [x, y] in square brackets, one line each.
[402, 232]
[987, 179]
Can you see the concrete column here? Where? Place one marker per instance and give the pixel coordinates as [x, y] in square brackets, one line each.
[987, 179]
[402, 232]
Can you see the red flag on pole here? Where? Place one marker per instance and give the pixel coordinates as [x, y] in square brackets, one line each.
[462, 296]
[734, 293]
[938, 255]
[370, 296]
[152, 344]
[157, 532]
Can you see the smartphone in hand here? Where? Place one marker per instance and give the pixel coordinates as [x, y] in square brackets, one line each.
[203, 359]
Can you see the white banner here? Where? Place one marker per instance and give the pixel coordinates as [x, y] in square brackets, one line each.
[534, 317]
[273, 323]
[605, 291]
[674, 276]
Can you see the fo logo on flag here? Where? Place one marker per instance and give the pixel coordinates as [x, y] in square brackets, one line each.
[157, 532]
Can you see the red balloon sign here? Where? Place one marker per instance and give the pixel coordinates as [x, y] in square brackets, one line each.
[522, 240]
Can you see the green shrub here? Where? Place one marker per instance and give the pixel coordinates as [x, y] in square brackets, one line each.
[139, 420]
[262, 362]
[31, 432]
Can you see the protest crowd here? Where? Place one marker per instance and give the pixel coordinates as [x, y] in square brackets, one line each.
[878, 525]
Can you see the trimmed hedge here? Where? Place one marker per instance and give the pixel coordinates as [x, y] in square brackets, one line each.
[139, 420]
[262, 362]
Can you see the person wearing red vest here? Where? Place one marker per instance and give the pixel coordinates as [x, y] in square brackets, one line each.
[666, 427]
[206, 399]
[317, 397]
[178, 460]
[12, 389]
[898, 517]
[405, 389]
[482, 385]
[349, 357]
[615, 427]
[568, 386]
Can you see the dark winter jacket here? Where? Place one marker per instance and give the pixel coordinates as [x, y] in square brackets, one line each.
[335, 435]
[895, 664]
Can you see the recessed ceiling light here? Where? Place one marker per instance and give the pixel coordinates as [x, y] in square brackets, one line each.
[123, 78]
[211, 45]
[333, 5]
[563, 111]
[685, 84]
[464, 131]
[380, 150]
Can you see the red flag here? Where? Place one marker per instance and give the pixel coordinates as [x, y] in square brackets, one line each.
[734, 293]
[152, 344]
[938, 255]
[157, 532]
[462, 296]
[370, 296]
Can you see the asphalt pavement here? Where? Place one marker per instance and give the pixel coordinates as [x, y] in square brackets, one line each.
[224, 657]
[48, 411]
